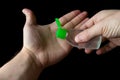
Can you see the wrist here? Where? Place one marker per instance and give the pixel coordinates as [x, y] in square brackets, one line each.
[23, 67]
[32, 57]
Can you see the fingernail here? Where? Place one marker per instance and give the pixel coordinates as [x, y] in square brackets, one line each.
[98, 52]
[79, 38]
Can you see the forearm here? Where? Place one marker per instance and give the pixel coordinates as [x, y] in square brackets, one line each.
[21, 67]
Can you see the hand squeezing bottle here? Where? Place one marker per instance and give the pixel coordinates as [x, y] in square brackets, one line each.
[69, 35]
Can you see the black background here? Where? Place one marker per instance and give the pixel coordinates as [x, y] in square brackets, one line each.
[77, 64]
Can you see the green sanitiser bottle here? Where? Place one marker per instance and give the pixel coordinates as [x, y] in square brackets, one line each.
[69, 35]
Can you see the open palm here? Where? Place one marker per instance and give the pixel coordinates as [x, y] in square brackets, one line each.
[41, 39]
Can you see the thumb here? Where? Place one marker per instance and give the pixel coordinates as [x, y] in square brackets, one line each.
[89, 33]
[30, 17]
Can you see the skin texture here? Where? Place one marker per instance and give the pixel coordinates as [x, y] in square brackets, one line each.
[40, 48]
[105, 23]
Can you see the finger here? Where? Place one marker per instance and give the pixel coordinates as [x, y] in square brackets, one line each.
[89, 33]
[108, 47]
[88, 51]
[71, 24]
[87, 24]
[68, 17]
[30, 17]
[116, 41]
[81, 23]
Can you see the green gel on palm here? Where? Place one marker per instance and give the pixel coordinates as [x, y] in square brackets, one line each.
[60, 33]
